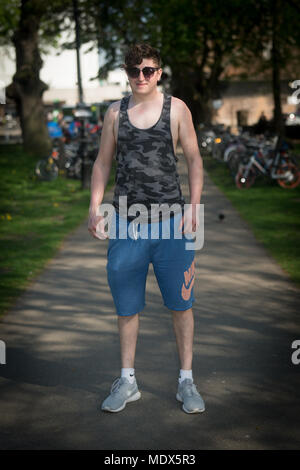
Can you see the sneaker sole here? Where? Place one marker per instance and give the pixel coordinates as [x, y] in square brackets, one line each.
[134, 397]
[178, 397]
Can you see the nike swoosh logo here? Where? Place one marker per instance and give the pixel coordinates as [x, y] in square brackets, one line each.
[189, 279]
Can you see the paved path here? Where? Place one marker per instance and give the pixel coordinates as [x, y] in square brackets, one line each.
[63, 351]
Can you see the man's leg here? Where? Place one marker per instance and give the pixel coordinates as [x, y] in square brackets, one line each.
[128, 331]
[174, 268]
[183, 324]
[125, 388]
[187, 393]
[127, 267]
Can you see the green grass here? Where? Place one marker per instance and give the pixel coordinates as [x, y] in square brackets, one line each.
[35, 217]
[271, 212]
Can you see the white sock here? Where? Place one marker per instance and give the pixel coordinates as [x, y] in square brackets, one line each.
[128, 373]
[185, 374]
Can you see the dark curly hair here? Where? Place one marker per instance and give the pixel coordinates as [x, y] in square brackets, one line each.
[137, 52]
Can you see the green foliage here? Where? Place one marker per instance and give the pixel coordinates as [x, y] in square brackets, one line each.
[185, 30]
[53, 16]
[9, 18]
[198, 40]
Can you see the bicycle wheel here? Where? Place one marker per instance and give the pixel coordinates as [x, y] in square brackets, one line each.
[292, 179]
[217, 152]
[243, 182]
[233, 162]
[46, 169]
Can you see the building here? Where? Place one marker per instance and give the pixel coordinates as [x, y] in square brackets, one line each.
[243, 101]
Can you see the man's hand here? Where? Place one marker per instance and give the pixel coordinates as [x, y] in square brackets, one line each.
[94, 222]
[190, 219]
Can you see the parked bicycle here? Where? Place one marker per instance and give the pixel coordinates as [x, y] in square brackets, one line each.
[278, 164]
[67, 156]
[47, 168]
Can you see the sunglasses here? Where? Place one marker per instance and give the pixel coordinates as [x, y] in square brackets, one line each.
[134, 72]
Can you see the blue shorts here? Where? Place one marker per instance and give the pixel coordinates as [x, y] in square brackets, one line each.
[128, 258]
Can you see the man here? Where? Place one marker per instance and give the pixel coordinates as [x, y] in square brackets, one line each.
[143, 130]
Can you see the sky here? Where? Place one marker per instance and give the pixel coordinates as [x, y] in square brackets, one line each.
[60, 71]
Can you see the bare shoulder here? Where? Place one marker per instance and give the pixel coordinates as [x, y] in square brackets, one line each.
[111, 118]
[113, 110]
[179, 104]
[180, 109]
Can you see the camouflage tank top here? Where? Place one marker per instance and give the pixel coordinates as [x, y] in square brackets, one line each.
[146, 165]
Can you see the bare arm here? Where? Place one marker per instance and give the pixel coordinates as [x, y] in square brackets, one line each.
[189, 143]
[101, 169]
[103, 162]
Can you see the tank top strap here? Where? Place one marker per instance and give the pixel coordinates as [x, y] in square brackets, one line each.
[165, 116]
[123, 109]
[167, 105]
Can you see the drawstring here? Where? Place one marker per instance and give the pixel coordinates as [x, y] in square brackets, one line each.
[135, 232]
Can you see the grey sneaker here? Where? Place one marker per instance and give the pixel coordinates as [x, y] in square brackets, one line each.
[190, 397]
[122, 392]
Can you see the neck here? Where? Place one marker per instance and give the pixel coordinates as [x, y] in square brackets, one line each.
[139, 98]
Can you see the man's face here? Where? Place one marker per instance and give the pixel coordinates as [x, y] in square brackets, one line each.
[142, 84]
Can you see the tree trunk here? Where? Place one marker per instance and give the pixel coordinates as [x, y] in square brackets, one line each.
[197, 92]
[278, 118]
[27, 88]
